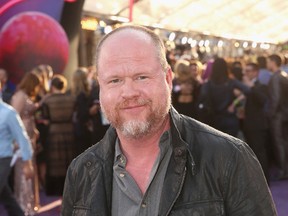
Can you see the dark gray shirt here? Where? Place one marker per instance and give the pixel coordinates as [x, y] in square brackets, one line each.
[127, 198]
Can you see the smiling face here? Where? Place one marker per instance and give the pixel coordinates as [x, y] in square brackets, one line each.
[135, 91]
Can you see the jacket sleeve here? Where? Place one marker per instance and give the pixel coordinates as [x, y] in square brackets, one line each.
[247, 192]
[68, 193]
[242, 87]
[259, 94]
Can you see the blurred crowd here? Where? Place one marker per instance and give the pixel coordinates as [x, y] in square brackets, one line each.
[242, 98]
[246, 99]
[60, 123]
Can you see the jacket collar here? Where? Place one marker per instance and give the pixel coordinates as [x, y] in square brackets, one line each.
[181, 159]
[107, 149]
[178, 134]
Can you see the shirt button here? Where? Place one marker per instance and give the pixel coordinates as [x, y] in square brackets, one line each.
[143, 205]
[122, 175]
[88, 163]
[122, 160]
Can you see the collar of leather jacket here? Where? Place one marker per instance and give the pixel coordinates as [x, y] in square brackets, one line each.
[181, 159]
[105, 153]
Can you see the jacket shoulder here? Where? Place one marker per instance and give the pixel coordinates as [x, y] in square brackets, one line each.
[201, 137]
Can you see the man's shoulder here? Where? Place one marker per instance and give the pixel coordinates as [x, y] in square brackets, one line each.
[7, 108]
[201, 137]
[7, 112]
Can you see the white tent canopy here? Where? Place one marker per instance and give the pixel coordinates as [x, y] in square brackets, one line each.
[252, 20]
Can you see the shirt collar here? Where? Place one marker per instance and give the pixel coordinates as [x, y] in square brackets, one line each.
[162, 145]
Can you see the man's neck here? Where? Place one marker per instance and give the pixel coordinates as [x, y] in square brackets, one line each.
[134, 149]
[142, 153]
[276, 69]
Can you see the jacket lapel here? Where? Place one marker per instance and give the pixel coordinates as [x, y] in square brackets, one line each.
[176, 171]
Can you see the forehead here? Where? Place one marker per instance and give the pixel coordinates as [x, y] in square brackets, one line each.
[127, 35]
[126, 46]
[249, 68]
[126, 42]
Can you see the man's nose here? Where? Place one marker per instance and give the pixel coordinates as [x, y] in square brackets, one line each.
[129, 89]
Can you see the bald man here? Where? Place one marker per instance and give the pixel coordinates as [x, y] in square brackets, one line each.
[152, 160]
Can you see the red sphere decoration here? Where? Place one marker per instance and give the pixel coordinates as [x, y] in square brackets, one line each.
[29, 39]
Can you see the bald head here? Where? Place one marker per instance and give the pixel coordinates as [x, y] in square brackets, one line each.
[134, 34]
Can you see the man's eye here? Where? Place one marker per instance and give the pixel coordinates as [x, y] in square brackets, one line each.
[141, 77]
[115, 81]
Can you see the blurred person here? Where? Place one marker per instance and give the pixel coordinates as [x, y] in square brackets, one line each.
[153, 161]
[196, 70]
[8, 88]
[256, 126]
[237, 70]
[264, 74]
[183, 70]
[27, 191]
[99, 122]
[278, 113]
[12, 129]
[82, 120]
[285, 63]
[58, 111]
[219, 93]
[45, 74]
[183, 100]
[208, 70]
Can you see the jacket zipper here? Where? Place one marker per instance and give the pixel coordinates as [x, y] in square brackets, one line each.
[181, 186]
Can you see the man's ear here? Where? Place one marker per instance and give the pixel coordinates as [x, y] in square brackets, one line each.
[169, 78]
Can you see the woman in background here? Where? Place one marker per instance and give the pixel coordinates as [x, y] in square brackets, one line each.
[219, 91]
[45, 73]
[183, 98]
[27, 190]
[81, 118]
[58, 111]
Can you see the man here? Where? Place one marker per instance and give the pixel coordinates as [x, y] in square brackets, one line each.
[255, 124]
[264, 75]
[12, 128]
[278, 112]
[154, 161]
[7, 87]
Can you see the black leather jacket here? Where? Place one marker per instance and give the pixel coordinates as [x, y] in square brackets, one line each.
[278, 88]
[209, 174]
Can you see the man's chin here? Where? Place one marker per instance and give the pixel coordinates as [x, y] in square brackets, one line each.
[135, 129]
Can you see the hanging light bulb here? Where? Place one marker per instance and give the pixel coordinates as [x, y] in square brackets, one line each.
[184, 40]
[172, 36]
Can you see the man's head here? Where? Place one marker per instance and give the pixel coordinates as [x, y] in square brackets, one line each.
[58, 83]
[262, 62]
[3, 76]
[251, 71]
[274, 62]
[135, 80]
[182, 70]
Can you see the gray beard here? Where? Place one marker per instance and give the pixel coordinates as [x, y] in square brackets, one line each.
[135, 129]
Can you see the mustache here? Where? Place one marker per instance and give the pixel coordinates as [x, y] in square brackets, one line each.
[133, 102]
